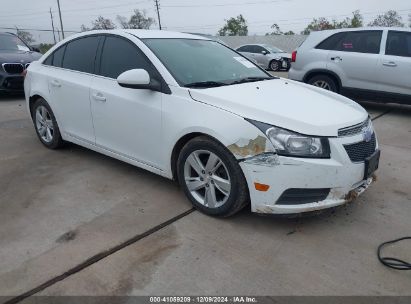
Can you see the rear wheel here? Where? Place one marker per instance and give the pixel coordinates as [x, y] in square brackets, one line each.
[46, 125]
[275, 65]
[212, 178]
[325, 82]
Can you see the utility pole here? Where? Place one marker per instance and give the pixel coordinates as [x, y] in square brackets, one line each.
[52, 25]
[61, 21]
[158, 13]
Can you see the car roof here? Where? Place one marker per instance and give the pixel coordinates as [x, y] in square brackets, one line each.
[376, 28]
[144, 34]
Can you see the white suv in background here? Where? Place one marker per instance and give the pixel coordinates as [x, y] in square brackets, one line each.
[366, 62]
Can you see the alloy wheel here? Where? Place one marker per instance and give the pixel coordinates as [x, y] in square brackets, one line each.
[207, 178]
[322, 84]
[44, 124]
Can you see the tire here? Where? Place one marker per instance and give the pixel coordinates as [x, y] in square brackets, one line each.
[275, 65]
[325, 82]
[288, 66]
[227, 200]
[46, 125]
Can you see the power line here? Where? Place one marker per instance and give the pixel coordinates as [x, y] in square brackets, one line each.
[34, 30]
[225, 4]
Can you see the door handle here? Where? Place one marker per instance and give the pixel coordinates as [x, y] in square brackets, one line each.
[55, 83]
[338, 58]
[389, 63]
[99, 97]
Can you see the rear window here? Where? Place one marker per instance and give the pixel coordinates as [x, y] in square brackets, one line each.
[356, 41]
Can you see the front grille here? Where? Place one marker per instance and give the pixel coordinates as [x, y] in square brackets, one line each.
[353, 130]
[13, 68]
[302, 196]
[358, 152]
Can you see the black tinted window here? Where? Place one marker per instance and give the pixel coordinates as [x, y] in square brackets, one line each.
[245, 48]
[58, 57]
[357, 41]
[332, 42]
[119, 56]
[49, 60]
[398, 44]
[258, 49]
[80, 54]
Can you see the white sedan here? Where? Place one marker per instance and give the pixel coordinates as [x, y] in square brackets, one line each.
[191, 109]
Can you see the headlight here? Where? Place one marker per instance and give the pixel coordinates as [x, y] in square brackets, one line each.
[289, 143]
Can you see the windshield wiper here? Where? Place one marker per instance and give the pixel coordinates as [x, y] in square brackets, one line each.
[252, 79]
[205, 84]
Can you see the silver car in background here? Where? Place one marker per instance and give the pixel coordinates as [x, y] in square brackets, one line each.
[266, 56]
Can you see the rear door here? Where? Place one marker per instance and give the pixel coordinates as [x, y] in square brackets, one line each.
[69, 85]
[126, 121]
[394, 68]
[354, 57]
[246, 50]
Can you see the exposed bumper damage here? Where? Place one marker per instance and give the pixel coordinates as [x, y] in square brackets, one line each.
[261, 166]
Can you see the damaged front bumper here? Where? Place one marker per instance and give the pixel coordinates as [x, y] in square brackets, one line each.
[333, 181]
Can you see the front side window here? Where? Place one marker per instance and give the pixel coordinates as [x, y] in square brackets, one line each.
[192, 61]
[244, 48]
[398, 44]
[80, 54]
[354, 41]
[12, 43]
[120, 55]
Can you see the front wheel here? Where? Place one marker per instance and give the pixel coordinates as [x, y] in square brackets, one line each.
[212, 178]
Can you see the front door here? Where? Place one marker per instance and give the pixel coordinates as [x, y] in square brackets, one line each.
[394, 68]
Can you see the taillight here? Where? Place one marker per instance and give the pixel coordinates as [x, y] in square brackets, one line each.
[294, 56]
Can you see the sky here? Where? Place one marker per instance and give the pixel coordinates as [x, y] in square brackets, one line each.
[196, 16]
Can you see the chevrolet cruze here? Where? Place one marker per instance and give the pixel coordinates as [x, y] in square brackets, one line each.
[191, 109]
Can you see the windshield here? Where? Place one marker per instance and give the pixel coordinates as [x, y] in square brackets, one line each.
[273, 49]
[204, 62]
[11, 42]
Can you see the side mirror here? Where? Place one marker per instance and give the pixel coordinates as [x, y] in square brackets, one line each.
[264, 52]
[138, 79]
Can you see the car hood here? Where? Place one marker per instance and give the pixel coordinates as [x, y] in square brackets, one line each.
[287, 104]
[18, 56]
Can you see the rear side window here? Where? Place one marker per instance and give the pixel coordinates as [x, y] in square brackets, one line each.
[398, 44]
[357, 41]
[56, 59]
[80, 54]
[120, 55]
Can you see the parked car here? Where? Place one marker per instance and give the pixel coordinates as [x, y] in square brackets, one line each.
[15, 56]
[268, 57]
[191, 109]
[366, 62]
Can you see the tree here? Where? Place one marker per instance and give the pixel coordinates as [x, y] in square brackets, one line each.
[276, 30]
[289, 33]
[25, 36]
[390, 18]
[234, 27]
[137, 21]
[356, 21]
[322, 23]
[319, 24]
[100, 23]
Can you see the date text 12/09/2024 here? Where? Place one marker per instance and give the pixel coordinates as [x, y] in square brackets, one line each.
[204, 299]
